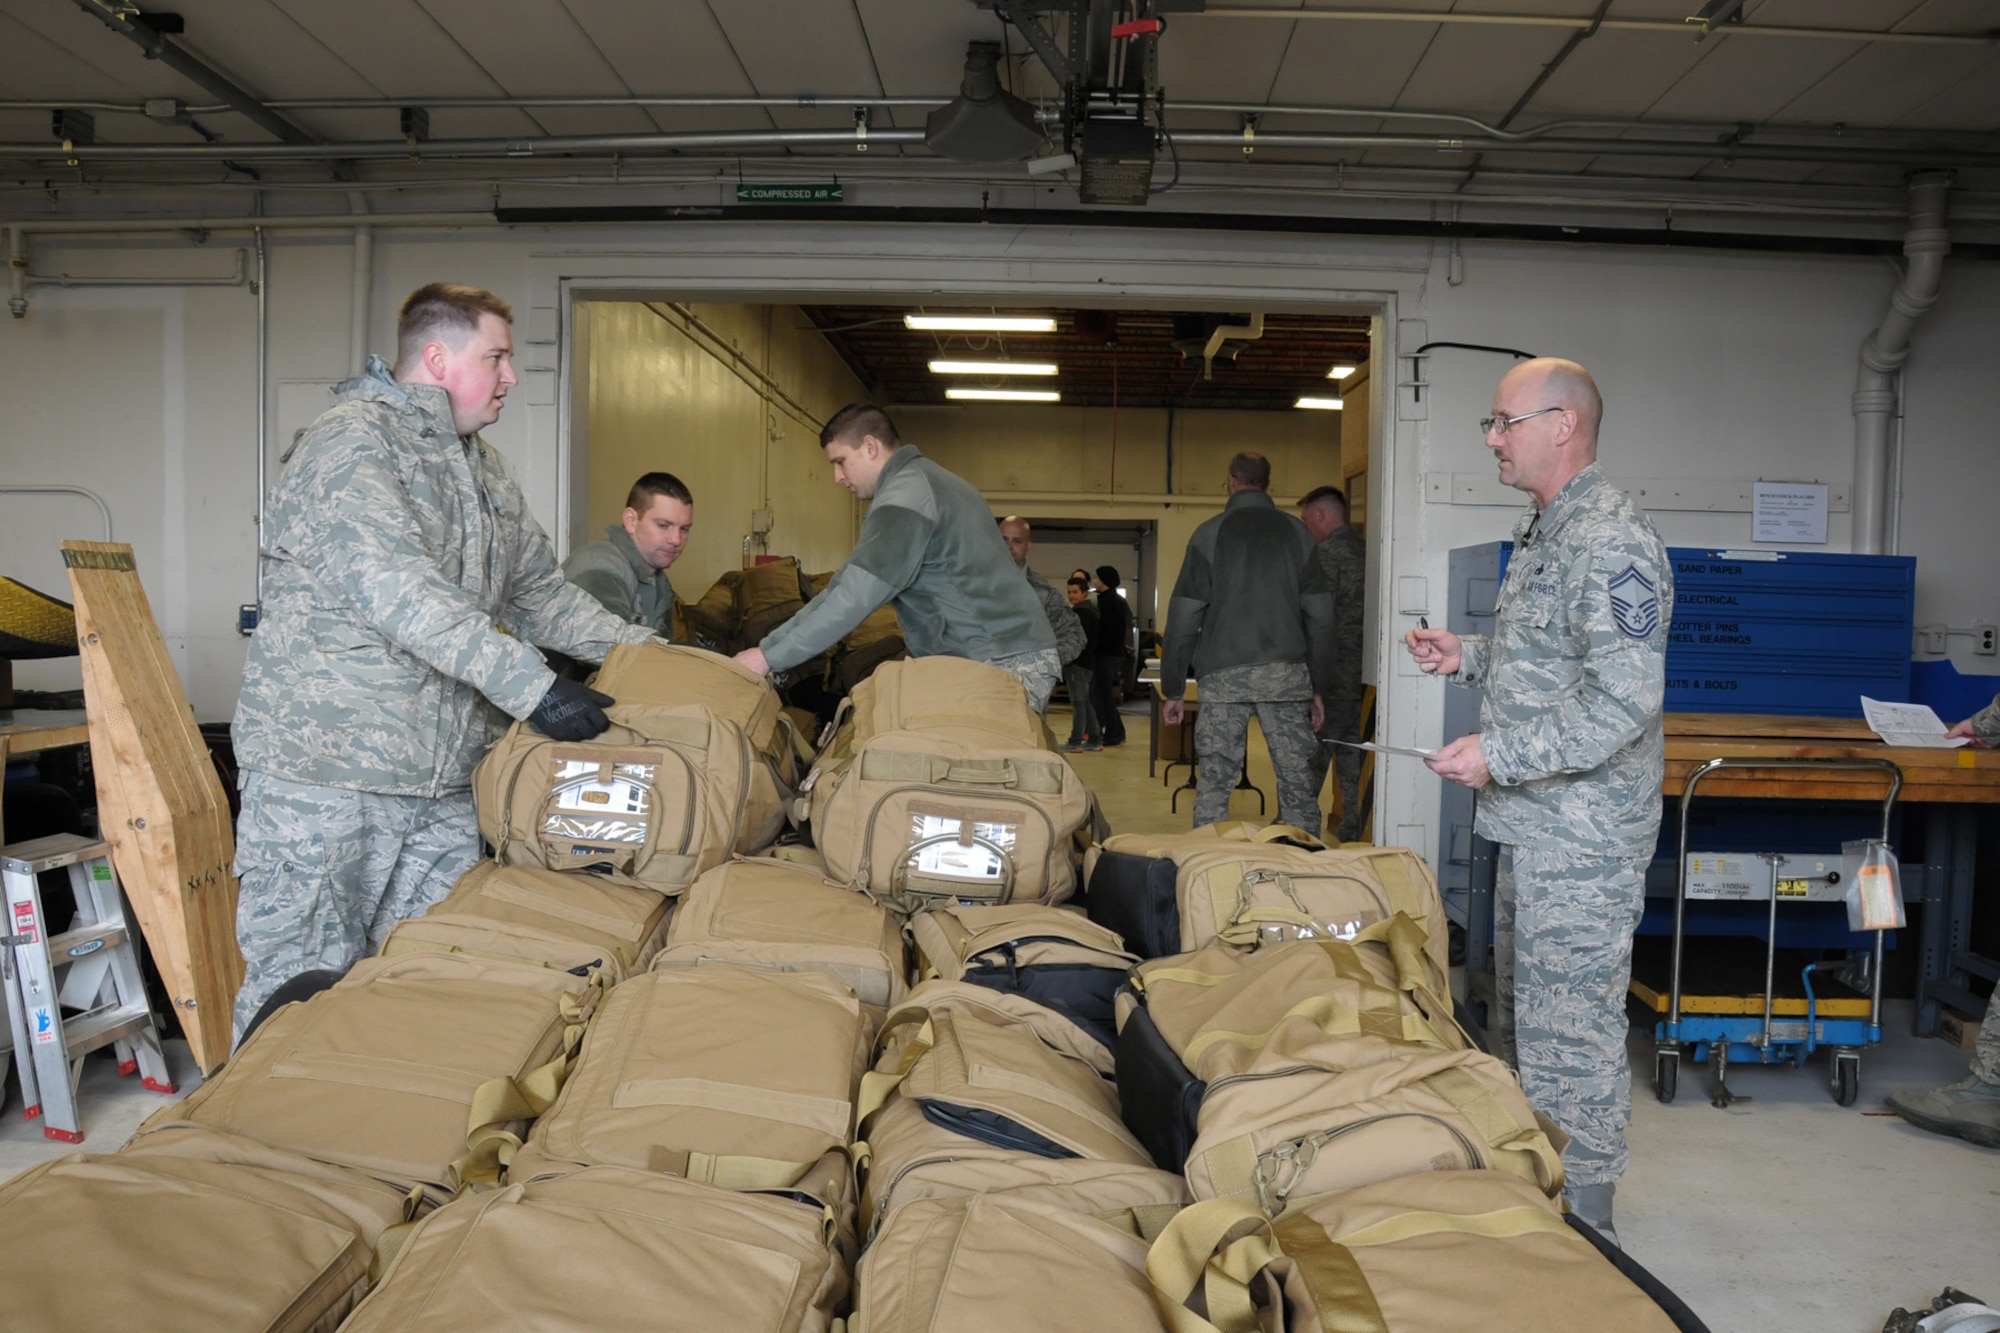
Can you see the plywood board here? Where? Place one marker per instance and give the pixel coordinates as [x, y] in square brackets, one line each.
[160, 803]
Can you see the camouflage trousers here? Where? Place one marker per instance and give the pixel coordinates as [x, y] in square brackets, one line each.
[1986, 1054]
[1562, 958]
[1221, 737]
[1037, 671]
[1083, 725]
[323, 873]
[1342, 723]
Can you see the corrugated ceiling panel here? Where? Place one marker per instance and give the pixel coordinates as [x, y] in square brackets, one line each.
[1751, 78]
[1973, 103]
[395, 45]
[1351, 64]
[1616, 73]
[267, 51]
[819, 49]
[1480, 68]
[1884, 83]
[673, 48]
[84, 58]
[1222, 60]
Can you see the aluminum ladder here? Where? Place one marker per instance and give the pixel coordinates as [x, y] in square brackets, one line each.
[92, 968]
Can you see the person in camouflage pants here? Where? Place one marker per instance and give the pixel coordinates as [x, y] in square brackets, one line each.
[1568, 761]
[1343, 561]
[404, 586]
[1251, 619]
[1969, 1108]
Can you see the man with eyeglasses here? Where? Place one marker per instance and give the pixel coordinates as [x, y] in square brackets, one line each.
[1568, 761]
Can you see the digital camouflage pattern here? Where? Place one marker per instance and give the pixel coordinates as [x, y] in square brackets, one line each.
[1343, 563]
[611, 570]
[1562, 958]
[1280, 694]
[405, 584]
[325, 873]
[1575, 676]
[1038, 673]
[1986, 1053]
[1986, 723]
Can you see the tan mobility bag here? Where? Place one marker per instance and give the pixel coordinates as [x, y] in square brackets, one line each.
[194, 1229]
[972, 1067]
[420, 1070]
[999, 1264]
[1249, 897]
[661, 675]
[1222, 834]
[767, 913]
[728, 1075]
[612, 914]
[612, 1248]
[1435, 1253]
[483, 937]
[1051, 955]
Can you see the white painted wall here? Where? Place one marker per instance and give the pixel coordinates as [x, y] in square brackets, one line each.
[1715, 367]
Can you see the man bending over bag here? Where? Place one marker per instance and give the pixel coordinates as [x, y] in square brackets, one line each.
[405, 584]
[928, 545]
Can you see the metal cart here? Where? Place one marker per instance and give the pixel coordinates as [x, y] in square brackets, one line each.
[1768, 1039]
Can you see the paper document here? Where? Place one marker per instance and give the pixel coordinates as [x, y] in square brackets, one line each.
[1409, 750]
[1908, 724]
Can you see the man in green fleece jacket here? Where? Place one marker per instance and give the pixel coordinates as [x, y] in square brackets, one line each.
[929, 546]
[626, 569]
[1252, 617]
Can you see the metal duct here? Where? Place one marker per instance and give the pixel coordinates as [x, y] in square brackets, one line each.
[1925, 244]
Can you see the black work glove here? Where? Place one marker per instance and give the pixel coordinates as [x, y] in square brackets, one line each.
[571, 712]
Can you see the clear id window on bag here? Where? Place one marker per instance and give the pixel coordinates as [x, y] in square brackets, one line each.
[599, 806]
[956, 855]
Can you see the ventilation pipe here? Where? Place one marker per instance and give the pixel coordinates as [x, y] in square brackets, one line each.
[1224, 333]
[363, 281]
[1925, 245]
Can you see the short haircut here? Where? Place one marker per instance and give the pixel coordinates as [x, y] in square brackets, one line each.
[1108, 575]
[1251, 469]
[1327, 495]
[1080, 583]
[652, 486]
[850, 423]
[446, 312]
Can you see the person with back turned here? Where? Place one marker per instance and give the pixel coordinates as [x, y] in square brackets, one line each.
[406, 587]
[1567, 762]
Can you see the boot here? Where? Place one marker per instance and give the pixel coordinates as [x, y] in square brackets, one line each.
[1592, 1204]
[1970, 1109]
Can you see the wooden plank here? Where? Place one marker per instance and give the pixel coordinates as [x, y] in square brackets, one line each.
[160, 804]
[1768, 724]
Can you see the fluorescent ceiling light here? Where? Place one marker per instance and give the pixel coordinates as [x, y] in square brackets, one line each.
[1320, 404]
[1005, 395]
[982, 323]
[1340, 372]
[993, 368]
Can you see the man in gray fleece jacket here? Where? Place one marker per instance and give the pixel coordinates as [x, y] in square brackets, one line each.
[928, 545]
[1252, 618]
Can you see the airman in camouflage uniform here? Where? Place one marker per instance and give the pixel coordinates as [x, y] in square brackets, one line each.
[1251, 618]
[1969, 1108]
[1342, 557]
[404, 583]
[1572, 745]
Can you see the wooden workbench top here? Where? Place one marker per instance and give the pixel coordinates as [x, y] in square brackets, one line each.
[26, 730]
[1962, 775]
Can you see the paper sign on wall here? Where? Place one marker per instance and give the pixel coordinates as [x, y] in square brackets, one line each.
[1790, 511]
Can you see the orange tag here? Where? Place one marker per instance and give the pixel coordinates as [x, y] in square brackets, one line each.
[1967, 759]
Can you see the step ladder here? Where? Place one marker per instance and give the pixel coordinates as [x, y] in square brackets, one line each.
[92, 968]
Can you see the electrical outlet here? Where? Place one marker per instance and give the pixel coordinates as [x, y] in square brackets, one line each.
[1986, 639]
[1930, 639]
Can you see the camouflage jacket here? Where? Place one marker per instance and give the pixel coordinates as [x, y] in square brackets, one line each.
[610, 570]
[1986, 723]
[929, 546]
[1575, 674]
[1343, 563]
[1071, 641]
[404, 582]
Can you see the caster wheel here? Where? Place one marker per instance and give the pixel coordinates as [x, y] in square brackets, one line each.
[1846, 1081]
[1668, 1075]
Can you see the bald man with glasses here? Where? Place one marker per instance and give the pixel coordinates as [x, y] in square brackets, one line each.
[1567, 761]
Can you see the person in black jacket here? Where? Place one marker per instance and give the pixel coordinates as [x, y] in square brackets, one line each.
[1114, 627]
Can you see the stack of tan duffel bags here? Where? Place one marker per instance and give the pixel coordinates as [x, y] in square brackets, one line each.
[628, 1075]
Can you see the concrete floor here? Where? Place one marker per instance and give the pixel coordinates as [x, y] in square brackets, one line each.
[1782, 1214]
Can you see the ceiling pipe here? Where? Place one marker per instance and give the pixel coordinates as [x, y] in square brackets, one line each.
[129, 23]
[1223, 333]
[1925, 245]
[736, 140]
[1673, 27]
[279, 222]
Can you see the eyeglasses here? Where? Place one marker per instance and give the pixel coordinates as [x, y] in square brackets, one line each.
[1487, 425]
